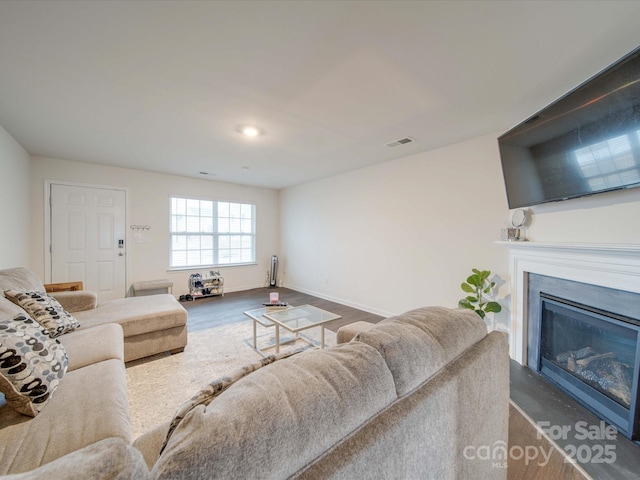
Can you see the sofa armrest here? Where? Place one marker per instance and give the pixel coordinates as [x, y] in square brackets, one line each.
[150, 443]
[77, 301]
[63, 287]
[104, 460]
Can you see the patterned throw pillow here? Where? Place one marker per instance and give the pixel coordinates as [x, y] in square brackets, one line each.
[215, 388]
[31, 364]
[45, 310]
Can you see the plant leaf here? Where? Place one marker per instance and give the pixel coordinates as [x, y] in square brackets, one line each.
[474, 280]
[464, 303]
[472, 299]
[493, 307]
[481, 313]
[467, 288]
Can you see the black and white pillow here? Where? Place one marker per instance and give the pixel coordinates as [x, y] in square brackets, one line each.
[31, 364]
[45, 310]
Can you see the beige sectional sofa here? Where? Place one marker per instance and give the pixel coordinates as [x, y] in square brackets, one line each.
[90, 403]
[413, 397]
[151, 324]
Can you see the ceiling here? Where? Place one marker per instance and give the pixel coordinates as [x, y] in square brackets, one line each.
[162, 86]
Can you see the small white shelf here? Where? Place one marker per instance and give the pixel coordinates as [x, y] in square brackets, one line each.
[203, 287]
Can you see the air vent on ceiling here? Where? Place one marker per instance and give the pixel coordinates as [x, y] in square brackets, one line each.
[402, 141]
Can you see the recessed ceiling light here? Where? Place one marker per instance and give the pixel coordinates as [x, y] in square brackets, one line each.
[249, 130]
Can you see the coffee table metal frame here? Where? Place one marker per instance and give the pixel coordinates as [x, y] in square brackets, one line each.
[292, 319]
[297, 319]
[257, 315]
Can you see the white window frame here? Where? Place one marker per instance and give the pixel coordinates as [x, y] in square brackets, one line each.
[231, 245]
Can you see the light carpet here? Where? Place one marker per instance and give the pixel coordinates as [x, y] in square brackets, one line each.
[158, 385]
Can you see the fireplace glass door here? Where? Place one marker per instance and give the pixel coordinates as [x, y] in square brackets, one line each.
[593, 355]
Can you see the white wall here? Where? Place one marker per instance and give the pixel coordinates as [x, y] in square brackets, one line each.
[401, 234]
[148, 201]
[612, 217]
[15, 210]
[405, 233]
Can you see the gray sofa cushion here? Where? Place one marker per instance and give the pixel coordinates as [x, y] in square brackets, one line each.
[77, 301]
[104, 412]
[16, 279]
[271, 423]
[8, 309]
[137, 315]
[93, 345]
[108, 459]
[217, 386]
[417, 344]
[423, 435]
[20, 278]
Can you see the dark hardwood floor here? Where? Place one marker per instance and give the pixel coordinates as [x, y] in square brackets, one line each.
[548, 465]
[602, 457]
[215, 311]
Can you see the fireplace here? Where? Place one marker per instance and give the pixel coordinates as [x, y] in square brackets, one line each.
[594, 283]
[585, 339]
[616, 266]
[562, 278]
[593, 355]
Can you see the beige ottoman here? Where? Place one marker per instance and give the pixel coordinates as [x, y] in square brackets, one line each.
[347, 332]
[151, 287]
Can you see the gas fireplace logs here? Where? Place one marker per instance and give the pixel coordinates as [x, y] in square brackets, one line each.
[586, 361]
[609, 376]
[575, 354]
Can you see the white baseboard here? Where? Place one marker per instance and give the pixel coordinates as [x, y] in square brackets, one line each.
[342, 301]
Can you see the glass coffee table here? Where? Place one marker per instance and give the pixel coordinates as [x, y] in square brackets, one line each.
[257, 315]
[292, 319]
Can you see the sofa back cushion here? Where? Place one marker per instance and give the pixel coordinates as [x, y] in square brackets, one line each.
[418, 343]
[8, 309]
[428, 433]
[89, 405]
[273, 422]
[20, 278]
[104, 460]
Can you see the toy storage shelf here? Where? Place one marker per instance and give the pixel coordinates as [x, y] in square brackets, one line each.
[203, 287]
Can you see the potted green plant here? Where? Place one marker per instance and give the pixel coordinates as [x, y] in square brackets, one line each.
[479, 285]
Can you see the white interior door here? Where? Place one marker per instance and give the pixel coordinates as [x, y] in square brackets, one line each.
[88, 238]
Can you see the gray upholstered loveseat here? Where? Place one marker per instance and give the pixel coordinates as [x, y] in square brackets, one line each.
[414, 397]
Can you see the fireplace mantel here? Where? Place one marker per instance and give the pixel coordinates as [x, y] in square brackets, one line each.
[607, 265]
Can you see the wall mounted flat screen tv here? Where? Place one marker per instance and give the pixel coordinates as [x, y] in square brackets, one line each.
[586, 142]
